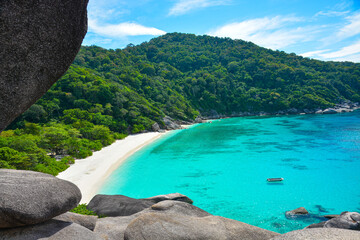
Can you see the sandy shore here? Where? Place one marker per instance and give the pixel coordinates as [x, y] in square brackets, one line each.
[90, 173]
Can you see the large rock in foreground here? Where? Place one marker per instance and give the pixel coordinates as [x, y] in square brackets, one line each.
[28, 197]
[38, 42]
[320, 233]
[154, 226]
[120, 205]
[117, 205]
[176, 220]
[51, 230]
[114, 227]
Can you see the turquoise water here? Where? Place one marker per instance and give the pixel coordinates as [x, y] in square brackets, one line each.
[223, 167]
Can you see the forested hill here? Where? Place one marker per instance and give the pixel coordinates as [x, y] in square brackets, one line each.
[108, 92]
[182, 74]
[222, 74]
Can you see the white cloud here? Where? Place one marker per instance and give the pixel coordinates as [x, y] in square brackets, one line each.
[348, 53]
[122, 30]
[345, 51]
[351, 58]
[184, 6]
[272, 33]
[332, 13]
[350, 29]
[313, 53]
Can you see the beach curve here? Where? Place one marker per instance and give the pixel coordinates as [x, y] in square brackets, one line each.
[89, 174]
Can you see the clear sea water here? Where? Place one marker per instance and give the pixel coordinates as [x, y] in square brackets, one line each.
[223, 167]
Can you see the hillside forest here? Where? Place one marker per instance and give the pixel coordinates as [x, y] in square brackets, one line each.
[107, 94]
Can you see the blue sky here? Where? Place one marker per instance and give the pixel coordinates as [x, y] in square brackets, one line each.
[321, 29]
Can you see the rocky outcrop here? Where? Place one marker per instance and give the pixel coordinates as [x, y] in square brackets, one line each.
[170, 124]
[84, 220]
[296, 212]
[117, 205]
[346, 220]
[171, 196]
[329, 111]
[155, 127]
[38, 42]
[31, 197]
[151, 226]
[330, 216]
[120, 205]
[51, 230]
[176, 220]
[114, 227]
[316, 225]
[320, 233]
[176, 207]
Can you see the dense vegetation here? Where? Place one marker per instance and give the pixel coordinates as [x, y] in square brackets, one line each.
[107, 94]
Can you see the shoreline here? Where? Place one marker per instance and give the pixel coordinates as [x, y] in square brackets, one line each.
[326, 111]
[90, 173]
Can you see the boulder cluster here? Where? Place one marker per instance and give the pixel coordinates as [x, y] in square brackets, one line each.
[35, 205]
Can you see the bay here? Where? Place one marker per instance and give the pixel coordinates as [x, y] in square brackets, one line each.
[223, 167]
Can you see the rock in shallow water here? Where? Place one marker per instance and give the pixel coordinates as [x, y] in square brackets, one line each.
[31, 197]
[50, 230]
[301, 211]
[39, 39]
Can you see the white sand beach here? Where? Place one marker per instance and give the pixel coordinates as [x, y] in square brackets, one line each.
[90, 173]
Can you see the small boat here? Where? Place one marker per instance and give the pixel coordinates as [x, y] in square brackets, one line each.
[275, 179]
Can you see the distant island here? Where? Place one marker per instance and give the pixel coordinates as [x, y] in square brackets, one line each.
[108, 94]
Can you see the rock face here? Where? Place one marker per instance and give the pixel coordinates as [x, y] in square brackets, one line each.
[329, 111]
[330, 216]
[38, 42]
[31, 197]
[346, 220]
[175, 207]
[84, 220]
[151, 226]
[171, 196]
[119, 205]
[114, 227]
[176, 220]
[155, 127]
[320, 233]
[169, 124]
[52, 230]
[316, 225]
